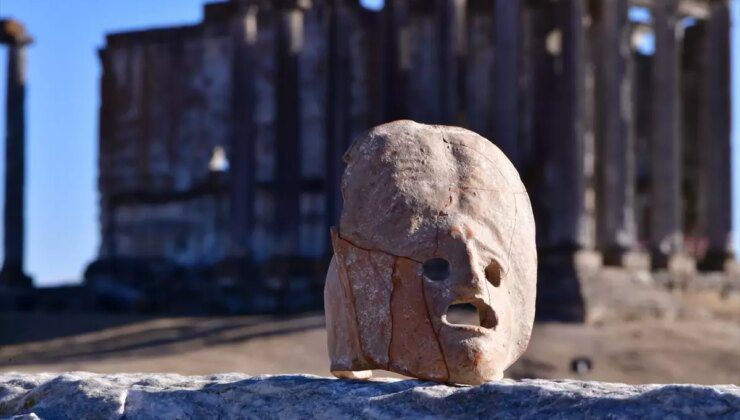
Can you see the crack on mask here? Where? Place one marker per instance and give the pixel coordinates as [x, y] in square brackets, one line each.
[437, 217]
[353, 302]
[423, 283]
[434, 330]
[393, 288]
[390, 307]
[511, 240]
[436, 236]
[436, 227]
[377, 250]
[466, 187]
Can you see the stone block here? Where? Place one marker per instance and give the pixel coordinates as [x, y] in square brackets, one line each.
[81, 395]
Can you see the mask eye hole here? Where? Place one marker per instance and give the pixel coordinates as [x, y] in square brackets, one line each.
[436, 269]
[493, 274]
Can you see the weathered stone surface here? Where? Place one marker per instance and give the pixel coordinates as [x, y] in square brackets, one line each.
[433, 216]
[371, 298]
[344, 348]
[416, 347]
[167, 396]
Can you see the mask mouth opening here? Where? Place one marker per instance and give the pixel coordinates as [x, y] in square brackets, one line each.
[471, 314]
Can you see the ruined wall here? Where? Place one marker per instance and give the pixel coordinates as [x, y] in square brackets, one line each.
[283, 88]
[166, 108]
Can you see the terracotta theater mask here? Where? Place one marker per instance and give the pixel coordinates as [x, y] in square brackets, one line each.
[433, 216]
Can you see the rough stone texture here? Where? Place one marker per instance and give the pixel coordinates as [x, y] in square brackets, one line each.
[372, 297]
[415, 194]
[167, 396]
[415, 348]
[166, 94]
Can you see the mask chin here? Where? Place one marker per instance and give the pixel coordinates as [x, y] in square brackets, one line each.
[476, 359]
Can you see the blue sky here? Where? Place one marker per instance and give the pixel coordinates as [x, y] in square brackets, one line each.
[62, 119]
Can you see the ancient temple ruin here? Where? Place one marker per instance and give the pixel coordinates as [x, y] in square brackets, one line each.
[221, 142]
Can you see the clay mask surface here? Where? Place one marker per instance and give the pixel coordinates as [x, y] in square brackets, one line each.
[433, 217]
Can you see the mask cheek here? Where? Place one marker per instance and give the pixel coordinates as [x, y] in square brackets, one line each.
[342, 337]
[415, 348]
[377, 315]
[365, 280]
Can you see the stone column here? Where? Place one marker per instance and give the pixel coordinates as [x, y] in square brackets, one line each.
[106, 134]
[567, 156]
[288, 177]
[13, 34]
[716, 126]
[452, 26]
[336, 112]
[561, 140]
[666, 221]
[590, 52]
[479, 68]
[241, 159]
[615, 189]
[506, 77]
[395, 60]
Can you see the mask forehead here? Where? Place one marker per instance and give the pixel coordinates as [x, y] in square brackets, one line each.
[393, 188]
[403, 179]
[483, 220]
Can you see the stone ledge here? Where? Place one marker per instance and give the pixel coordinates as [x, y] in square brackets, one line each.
[82, 395]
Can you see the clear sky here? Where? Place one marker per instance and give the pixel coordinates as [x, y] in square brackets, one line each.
[62, 119]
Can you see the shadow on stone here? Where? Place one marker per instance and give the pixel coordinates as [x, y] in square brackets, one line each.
[158, 337]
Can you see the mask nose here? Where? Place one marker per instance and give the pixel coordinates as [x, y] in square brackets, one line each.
[458, 266]
[468, 280]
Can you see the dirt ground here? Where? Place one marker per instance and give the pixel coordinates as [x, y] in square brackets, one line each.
[705, 350]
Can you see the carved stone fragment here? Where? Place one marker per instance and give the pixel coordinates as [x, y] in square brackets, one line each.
[433, 217]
